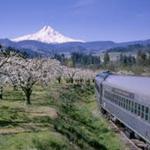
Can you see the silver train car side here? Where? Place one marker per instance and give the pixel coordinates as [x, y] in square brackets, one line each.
[127, 98]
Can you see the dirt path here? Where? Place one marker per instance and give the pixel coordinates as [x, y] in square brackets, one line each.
[42, 111]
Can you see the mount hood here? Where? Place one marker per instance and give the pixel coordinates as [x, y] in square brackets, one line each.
[46, 35]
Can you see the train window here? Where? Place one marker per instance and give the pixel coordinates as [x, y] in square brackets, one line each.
[142, 111]
[126, 103]
[121, 101]
[135, 108]
[132, 106]
[146, 113]
[118, 100]
[149, 115]
[139, 109]
[129, 105]
[110, 96]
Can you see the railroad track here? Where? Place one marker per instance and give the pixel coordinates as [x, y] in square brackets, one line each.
[132, 144]
[128, 142]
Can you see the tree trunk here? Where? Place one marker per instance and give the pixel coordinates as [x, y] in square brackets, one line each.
[71, 80]
[28, 100]
[28, 96]
[1, 92]
[59, 80]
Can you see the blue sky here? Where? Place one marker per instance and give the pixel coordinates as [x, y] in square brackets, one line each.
[89, 20]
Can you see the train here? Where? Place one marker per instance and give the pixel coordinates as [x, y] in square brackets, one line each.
[126, 99]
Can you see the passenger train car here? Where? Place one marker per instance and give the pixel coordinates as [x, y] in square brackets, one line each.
[126, 98]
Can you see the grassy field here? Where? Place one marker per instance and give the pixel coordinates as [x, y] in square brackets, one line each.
[60, 117]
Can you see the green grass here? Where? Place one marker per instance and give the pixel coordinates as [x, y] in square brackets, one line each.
[75, 127]
[36, 141]
[77, 122]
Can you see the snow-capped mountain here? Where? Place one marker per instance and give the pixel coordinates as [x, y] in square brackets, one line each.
[47, 35]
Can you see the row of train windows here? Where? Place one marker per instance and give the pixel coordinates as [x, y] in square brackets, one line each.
[138, 109]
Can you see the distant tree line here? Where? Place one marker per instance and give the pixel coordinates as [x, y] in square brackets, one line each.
[126, 60]
[60, 57]
[8, 50]
[80, 60]
[131, 48]
[138, 63]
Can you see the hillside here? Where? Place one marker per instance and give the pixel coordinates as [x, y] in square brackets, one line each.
[48, 49]
[131, 48]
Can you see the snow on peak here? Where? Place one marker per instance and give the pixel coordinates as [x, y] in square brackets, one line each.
[47, 29]
[47, 35]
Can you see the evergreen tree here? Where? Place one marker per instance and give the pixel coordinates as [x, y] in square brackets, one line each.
[106, 58]
[141, 58]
